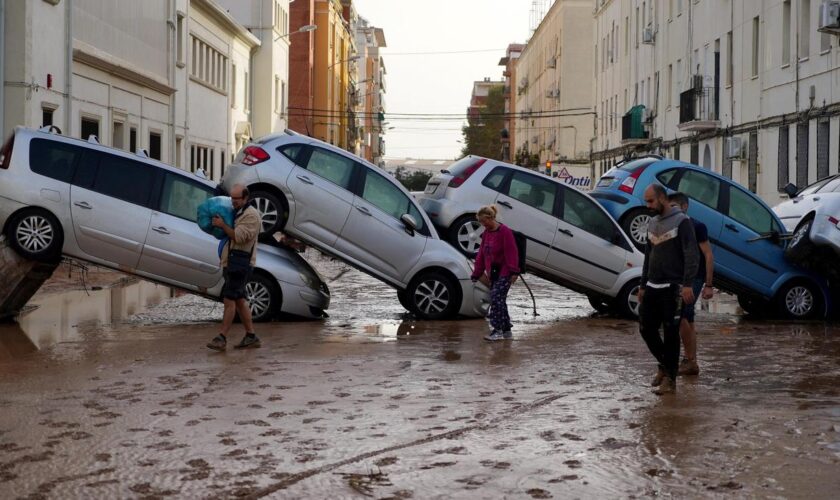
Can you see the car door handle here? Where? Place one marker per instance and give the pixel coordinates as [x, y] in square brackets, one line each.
[363, 210]
[161, 230]
[506, 204]
[732, 228]
[83, 204]
[304, 179]
[566, 232]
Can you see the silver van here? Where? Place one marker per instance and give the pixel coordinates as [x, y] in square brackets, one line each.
[60, 195]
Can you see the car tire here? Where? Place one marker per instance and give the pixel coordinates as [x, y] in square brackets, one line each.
[402, 296]
[434, 295]
[753, 306]
[465, 235]
[36, 234]
[264, 298]
[800, 299]
[801, 246]
[273, 211]
[600, 304]
[635, 225]
[627, 302]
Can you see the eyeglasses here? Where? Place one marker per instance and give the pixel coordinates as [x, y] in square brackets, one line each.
[237, 197]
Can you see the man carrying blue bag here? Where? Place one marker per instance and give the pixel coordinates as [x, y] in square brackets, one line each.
[238, 258]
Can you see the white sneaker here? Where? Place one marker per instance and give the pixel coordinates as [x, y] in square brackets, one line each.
[494, 336]
[507, 334]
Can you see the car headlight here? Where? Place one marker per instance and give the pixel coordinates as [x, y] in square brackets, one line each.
[308, 280]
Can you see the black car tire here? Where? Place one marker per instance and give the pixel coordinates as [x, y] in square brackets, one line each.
[635, 225]
[799, 299]
[273, 210]
[753, 306]
[627, 302]
[264, 298]
[461, 229]
[434, 295]
[801, 246]
[35, 234]
[600, 304]
[402, 296]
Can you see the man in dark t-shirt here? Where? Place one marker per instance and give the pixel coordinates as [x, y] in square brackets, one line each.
[702, 287]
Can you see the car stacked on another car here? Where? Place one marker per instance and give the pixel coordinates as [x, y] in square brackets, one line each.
[747, 238]
[357, 212]
[571, 239]
[60, 195]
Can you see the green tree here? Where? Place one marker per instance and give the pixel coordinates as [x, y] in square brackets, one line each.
[413, 181]
[482, 136]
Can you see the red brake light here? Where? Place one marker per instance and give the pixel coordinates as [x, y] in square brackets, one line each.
[6, 153]
[460, 179]
[834, 221]
[628, 184]
[254, 155]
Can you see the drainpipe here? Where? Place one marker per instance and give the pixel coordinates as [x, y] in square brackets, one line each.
[68, 69]
[173, 56]
[2, 69]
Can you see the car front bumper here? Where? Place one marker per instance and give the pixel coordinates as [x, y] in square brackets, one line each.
[476, 302]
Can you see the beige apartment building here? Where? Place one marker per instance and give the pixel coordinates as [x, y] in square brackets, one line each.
[554, 91]
[369, 93]
[746, 89]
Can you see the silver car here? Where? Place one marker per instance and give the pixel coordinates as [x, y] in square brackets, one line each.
[60, 195]
[572, 240]
[355, 211]
[813, 216]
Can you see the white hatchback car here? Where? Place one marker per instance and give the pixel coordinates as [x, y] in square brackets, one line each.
[813, 216]
[572, 240]
[357, 212]
[60, 195]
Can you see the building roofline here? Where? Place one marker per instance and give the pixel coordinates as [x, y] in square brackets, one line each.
[223, 17]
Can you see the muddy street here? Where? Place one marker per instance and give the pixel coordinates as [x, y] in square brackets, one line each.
[370, 403]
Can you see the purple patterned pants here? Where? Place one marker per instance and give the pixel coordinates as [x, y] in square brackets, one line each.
[499, 317]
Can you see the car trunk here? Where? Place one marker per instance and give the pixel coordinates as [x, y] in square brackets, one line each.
[436, 187]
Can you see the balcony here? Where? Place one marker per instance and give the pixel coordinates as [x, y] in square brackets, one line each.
[698, 110]
[633, 127]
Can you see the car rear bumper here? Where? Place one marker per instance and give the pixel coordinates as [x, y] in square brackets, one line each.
[824, 233]
[441, 211]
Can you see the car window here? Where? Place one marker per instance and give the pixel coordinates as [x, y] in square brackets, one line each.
[701, 187]
[749, 212]
[495, 179]
[832, 187]
[332, 167]
[292, 152]
[666, 177]
[181, 196]
[813, 188]
[533, 191]
[124, 179]
[53, 159]
[384, 195]
[581, 212]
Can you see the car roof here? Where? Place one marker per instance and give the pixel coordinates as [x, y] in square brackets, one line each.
[526, 170]
[40, 134]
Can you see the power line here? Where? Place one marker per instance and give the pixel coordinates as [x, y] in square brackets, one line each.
[389, 54]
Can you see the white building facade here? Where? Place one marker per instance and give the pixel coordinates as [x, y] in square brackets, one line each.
[746, 89]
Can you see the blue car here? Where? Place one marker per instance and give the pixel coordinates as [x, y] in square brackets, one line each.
[747, 238]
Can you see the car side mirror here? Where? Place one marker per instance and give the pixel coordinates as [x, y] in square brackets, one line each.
[790, 190]
[409, 222]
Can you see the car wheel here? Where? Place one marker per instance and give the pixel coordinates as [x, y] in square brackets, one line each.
[434, 295]
[402, 296]
[272, 210]
[465, 235]
[36, 234]
[635, 224]
[800, 300]
[752, 305]
[599, 304]
[800, 246]
[264, 298]
[627, 301]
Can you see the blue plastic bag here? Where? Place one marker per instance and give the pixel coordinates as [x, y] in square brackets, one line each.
[218, 205]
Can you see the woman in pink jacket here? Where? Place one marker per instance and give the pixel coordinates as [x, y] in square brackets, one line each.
[497, 257]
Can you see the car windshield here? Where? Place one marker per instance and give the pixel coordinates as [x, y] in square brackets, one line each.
[634, 165]
[813, 188]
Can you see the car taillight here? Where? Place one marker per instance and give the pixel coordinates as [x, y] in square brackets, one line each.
[254, 155]
[628, 184]
[6, 153]
[462, 178]
[835, 221]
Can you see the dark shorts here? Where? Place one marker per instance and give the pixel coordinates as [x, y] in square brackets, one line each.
[234, 287]
[688, 309]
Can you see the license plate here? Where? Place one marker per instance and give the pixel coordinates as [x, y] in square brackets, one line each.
[430, 188]
[605, 181]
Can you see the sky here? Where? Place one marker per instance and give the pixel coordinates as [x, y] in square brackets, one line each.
[439, 83]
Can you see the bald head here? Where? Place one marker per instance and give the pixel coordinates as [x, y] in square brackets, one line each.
[656, 199]
[239, 195]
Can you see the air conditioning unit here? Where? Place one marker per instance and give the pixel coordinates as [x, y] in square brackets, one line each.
[735, 149]
[829, 17]
[649, 35]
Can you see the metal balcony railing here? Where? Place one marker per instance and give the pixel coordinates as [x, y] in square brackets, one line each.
[699, 104]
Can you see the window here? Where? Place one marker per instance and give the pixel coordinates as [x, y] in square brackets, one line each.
[804, 28]
[47, 116]
[178, 145]
[53, 159]
[384, 195]
[626, 36]
[199, 158]
[277, 94]
[755, 40]
[784, 156]
[581, 212]
[179, 30]
[132, 140]
[181, 196]
[823, 127]
[730, 63]
[637, 28]
[749, 212]
[283, 97]
[495, 179]
[90, 126]
[154, 145]
[786, 32]
[209, 65]
[233, 93]
[124, 179]
[118, 135]
[701, 187]
[533, 191]
[292, 152]
[246, 93]
[332, 167]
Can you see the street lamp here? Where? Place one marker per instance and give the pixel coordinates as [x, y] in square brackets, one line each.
[303, 29]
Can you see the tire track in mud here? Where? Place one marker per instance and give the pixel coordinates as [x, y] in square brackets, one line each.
[300, 476]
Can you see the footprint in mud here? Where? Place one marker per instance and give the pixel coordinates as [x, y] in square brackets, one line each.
[538, 493]
[567, 477]
[74, 435]
[258, 423]
[104, 482]
[572, 437]
[275, 397]
[455, 450]
[102, 457]
[198, 470]
[437, 465]
[12, 447]
[548, 436]
[613, 444]
[59, 425]
[166, 446]
[472, 482]
[148, 491]
[228, 441]
[495, 465]
[385, 461]
[573, 464]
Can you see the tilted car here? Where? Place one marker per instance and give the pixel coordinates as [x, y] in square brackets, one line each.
[571, 239]
[747, 238]
[60, 195]
[813, 216]
[357, 212]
